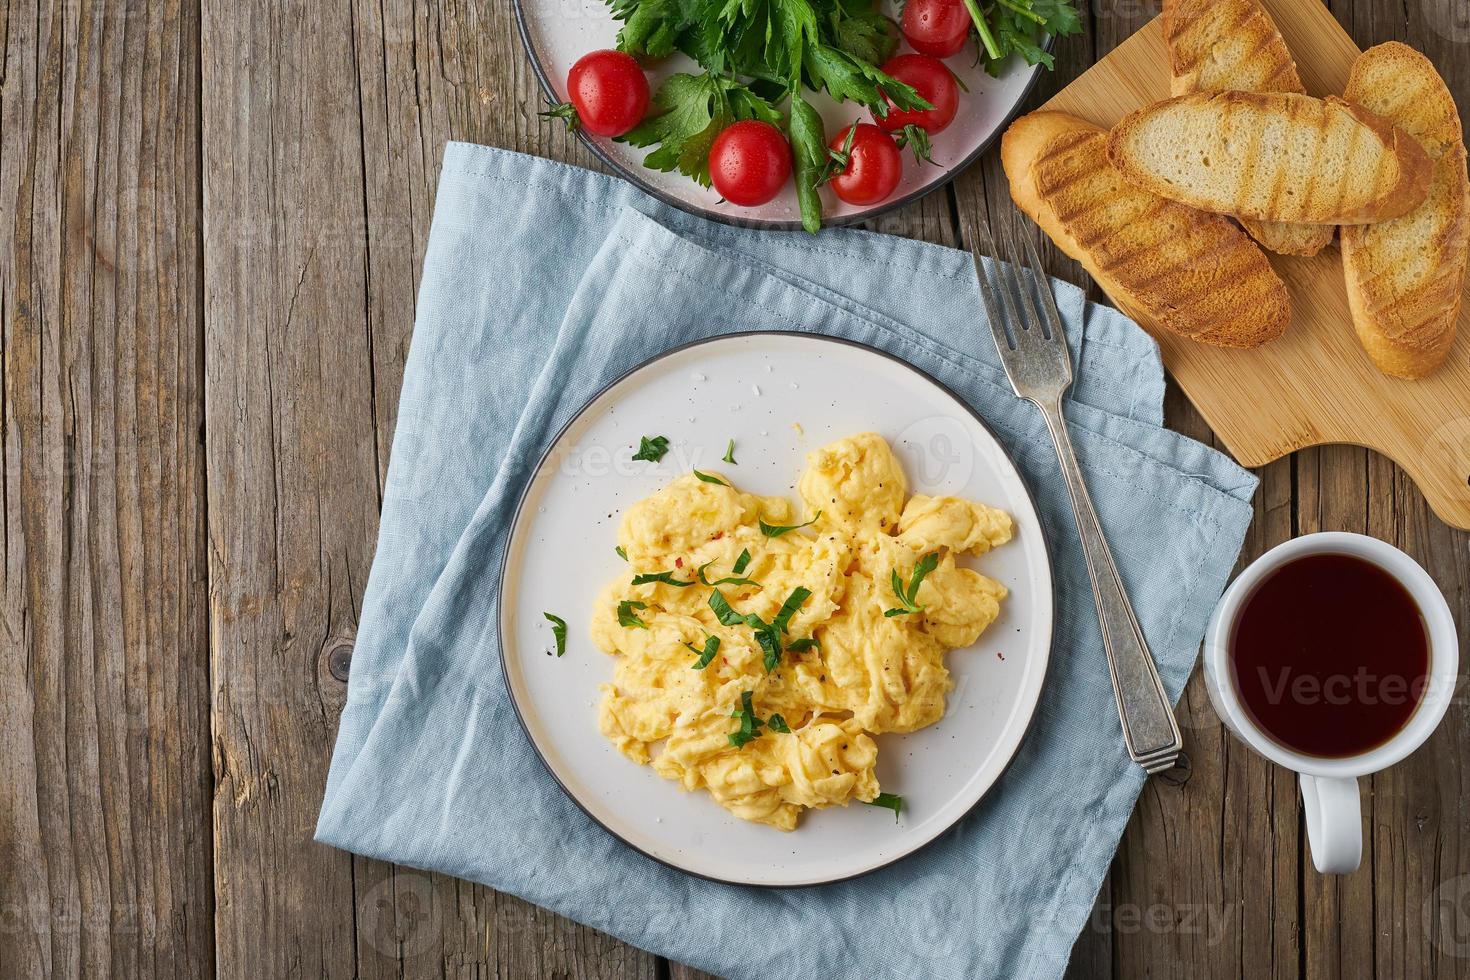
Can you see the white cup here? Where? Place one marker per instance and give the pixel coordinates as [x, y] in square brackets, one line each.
[1330, 786]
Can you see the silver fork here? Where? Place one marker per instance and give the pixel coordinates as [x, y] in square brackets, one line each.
[1036, 359]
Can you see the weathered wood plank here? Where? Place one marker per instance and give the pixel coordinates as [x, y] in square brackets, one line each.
[104, 733]
[291, 462]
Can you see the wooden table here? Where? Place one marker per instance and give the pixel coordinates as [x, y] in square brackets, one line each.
[216, 218]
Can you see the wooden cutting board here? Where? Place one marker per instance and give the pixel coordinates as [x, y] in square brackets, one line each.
[1314, 385]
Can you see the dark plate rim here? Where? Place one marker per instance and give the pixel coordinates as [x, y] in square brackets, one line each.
[636, 178]
[515, 521]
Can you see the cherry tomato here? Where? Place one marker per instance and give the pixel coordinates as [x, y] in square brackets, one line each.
[936, 27]
[749, 162]
[609, 92]
[933, 81]
[873, 167]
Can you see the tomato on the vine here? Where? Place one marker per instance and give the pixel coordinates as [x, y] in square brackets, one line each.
[749, 162]
[609, 92]
[932, 80]
[936, 27]
[872, 168]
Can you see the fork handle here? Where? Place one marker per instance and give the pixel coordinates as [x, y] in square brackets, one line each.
[1149, 728]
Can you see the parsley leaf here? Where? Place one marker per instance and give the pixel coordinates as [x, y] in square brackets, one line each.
[653, 449]
[803, 645]
[711, 647]
[621, 553]
[736, 579]
[743, 561]
[558, 630]
[889, 801]
[788, 608]
[778, 724]
[730, 453]
[908, 597]
[750, 725]
[845, 77]
[667, 578]
[809, 150]
[723, 612]
[708, 478]
[691, 110]
[776, 530]
[629, 619]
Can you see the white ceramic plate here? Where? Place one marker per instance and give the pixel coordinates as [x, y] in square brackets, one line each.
[756, 388]
[557, 33]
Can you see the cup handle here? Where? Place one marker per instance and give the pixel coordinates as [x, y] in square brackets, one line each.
[1334, 823]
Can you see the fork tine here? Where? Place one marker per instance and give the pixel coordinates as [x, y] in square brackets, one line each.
[1048, 301]
[1030, 317]
[1011, 282]
[994, 308]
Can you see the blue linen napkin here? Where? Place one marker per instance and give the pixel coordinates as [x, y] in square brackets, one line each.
[541, 283]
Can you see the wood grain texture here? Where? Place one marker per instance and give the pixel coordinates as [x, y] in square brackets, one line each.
[104, 831]
[217, 216]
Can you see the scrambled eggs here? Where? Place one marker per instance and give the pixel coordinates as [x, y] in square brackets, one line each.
[719, 578]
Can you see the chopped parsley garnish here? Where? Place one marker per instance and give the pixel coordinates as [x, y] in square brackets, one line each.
[711, 647]
[653, 449]
[730, 453]
[750, 725]
[726, 615]
[788, 608]
[558, 630]
[778, 724]
[908, 597]
[708, 478]
[736, 579]
[776, 530]
[803, 645]
[667, 578]
[768, 635]
[627, 618]
[888, 801]
[621, 553]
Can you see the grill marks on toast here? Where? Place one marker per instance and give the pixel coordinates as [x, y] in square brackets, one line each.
[1405, 276]
[1313, 161]
[1217, 45]
[1195, 274]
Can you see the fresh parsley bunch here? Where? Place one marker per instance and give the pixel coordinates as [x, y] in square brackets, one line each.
[754, 55]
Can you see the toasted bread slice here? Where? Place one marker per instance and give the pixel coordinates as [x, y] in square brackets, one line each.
[1273, 156]
[1219, 45]
[1167, 265]
[1405, 277]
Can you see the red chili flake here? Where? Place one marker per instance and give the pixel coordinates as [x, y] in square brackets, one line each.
[678, 563]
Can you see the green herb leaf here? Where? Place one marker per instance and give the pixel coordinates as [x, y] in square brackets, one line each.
[723, 612]
[788, 608]
[730, 453]
[653, 449]
[866, 33]
[742, 562]
[750, 725]
[627, 618]
[803, 645]
[908, 597]
[889, 801]
[707, 478]
[809, 151]
[621, 553]
[778, 724]
[729, 580]
[691, 110]
[711, 647]
[770, 644]
[667, 578]
[558, 630]
[844, 77]
[776, 530]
